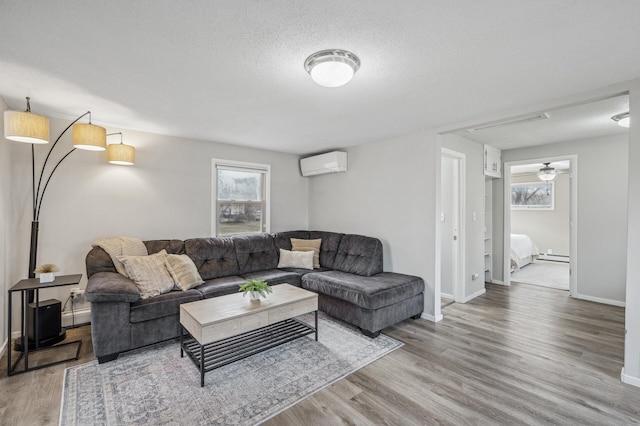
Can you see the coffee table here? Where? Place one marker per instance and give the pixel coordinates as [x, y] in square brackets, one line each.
[225, 329]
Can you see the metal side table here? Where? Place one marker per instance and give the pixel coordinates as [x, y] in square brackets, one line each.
[23, 287]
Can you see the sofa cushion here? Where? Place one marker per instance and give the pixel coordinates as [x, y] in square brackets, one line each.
[274, 276]
[329, 246]
[359, 255]
[255, 252]
[162, 305]
[170, 246]
[150, 273]
[98, 260]
[221, 286]
[308, 245]
[183, 271]
[302, 272]
[373, 292]
[283, 239]
[295, 259]
[214, 257]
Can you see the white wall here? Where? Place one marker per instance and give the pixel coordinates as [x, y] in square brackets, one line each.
[474, 211]
[5, 225]
[549, 229]
[388, 192]
[167, 194]
[602, 212]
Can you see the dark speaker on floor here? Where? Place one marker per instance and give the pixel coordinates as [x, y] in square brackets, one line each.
[49, 319]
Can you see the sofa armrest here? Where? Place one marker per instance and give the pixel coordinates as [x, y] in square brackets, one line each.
[111, 287]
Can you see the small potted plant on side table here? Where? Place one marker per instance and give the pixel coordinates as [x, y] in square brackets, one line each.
[47, 272]
[255, 288]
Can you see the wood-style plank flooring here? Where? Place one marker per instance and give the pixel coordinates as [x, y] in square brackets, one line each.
[517, 355]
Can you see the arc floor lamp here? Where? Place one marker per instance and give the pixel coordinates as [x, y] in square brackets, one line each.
[25, 126]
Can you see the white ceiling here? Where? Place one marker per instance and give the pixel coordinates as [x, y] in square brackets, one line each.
[574, 122]
[560, 166]
[232, 71]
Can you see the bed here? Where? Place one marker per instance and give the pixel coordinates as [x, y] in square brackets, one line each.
[523, 251]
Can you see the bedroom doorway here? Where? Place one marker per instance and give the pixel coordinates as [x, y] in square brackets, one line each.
[452, 232]
[540, 222]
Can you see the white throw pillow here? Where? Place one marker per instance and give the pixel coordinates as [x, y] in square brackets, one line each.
[184, 271]
[296, 259]
[149, 273]
[308, 245]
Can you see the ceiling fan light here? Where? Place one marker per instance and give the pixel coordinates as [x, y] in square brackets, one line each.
[623, 119]
[332, 68]
[89, 137]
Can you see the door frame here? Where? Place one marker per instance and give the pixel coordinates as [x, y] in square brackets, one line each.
[573, 217]
[459, 215]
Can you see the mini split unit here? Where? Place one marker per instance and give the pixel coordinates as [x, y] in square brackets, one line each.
[331, 162]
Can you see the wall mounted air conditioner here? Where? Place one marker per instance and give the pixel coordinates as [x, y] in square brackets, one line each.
[331, 162]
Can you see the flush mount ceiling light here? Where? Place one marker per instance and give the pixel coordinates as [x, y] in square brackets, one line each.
[622, 119]
[332, 67]
[547, 173]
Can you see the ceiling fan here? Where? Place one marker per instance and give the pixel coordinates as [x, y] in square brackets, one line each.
[547, 173]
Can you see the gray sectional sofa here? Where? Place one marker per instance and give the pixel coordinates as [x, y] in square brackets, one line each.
[350, 283]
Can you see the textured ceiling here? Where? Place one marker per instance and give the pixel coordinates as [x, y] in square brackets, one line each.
[575, 122]
[232, 71]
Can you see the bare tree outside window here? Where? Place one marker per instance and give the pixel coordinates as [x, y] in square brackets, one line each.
[532, 196]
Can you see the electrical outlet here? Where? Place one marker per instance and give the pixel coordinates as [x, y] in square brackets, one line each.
[77, 292]
[474, 277]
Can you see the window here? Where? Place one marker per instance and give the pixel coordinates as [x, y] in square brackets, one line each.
[240, 197]
[532, 196]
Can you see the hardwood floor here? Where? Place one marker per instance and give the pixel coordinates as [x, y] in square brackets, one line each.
[518, 355]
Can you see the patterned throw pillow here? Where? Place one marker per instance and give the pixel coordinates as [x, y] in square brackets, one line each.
[149, 273]
[184, 271]
[308, 245]
[296, 259]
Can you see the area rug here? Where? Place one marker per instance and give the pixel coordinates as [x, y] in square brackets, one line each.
[544, 273]
[154, 386]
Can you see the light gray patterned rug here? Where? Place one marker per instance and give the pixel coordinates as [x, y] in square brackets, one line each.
[154, 386]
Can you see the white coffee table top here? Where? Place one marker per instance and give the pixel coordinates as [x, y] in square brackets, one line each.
[223, 308]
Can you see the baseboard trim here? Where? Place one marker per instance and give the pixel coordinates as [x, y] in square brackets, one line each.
[474, 295]
[497, 282]
[629, 380]
[82, 316]
[431, 317]
[3, 348]
[446, 295]
[600, 300]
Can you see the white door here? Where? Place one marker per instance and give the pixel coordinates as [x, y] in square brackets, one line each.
[451, 259]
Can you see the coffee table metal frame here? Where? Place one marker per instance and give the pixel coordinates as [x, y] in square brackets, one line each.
[221, 330]
[222, 352]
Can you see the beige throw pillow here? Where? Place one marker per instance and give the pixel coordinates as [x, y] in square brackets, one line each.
[121, 246]
[184, 271]
[296, 259]
[149, 273]
[308, 245]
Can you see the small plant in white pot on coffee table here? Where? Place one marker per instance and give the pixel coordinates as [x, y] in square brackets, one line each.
[255, 288]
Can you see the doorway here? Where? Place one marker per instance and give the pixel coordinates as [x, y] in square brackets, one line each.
[540, 226]
[452, 228]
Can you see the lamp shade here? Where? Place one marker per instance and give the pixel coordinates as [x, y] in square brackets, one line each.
[89, 137]
[22, 126]
[121, 154]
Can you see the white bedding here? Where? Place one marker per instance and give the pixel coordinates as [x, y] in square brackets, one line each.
[523, 251]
